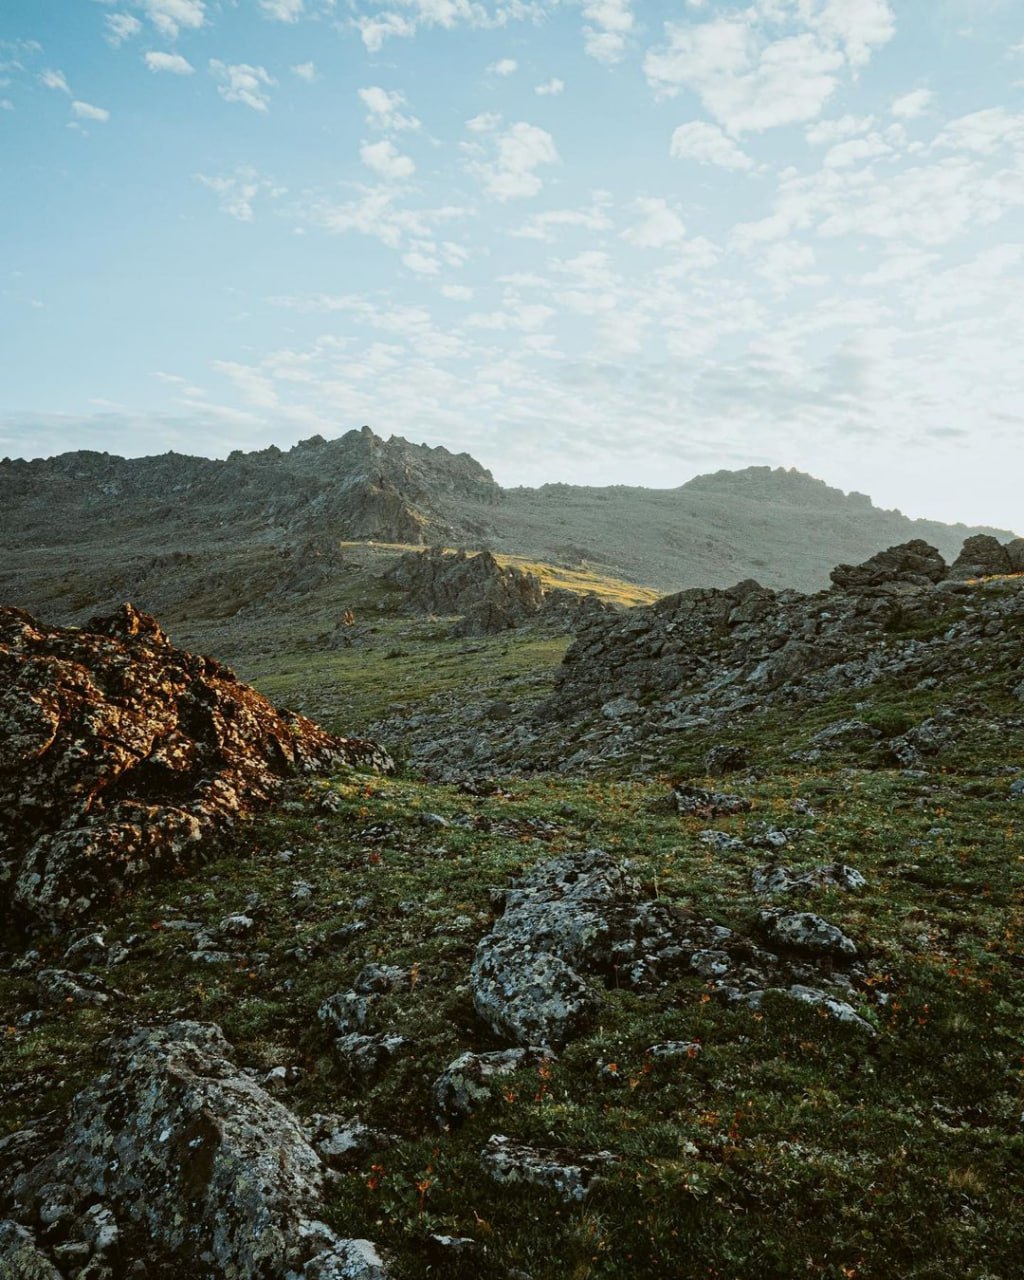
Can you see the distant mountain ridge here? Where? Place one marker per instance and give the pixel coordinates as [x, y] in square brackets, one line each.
[783, 527]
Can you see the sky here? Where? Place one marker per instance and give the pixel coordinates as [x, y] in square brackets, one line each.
[595, 241]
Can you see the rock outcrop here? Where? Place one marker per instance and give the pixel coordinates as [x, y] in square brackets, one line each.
[175, 1146]
[911, 564]
[122, 756]
[491, 597]
[711, 661]
[984, 556]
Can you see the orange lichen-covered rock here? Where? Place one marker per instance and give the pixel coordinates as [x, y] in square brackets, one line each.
[121, 755]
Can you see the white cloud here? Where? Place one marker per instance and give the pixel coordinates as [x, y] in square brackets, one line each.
[170, 16]
[172, 62]
[610, 22]
[854, 150]
[121, 27]
[750, 82]
[826, 131]
[858, 26]
[544, 226]
[384, 109]
[984, 132]
[708, 144]
[54, 80]
[375, 31]
[306, 71]
[283, 10]
[423, 264]
[236, 192]
[86, 111]
[6, 104]
[457, 292]
[550, 88]
[660, 225]
[912, 105]
[384, 158]
[518, 153]
[504, 67]
[925, 204]
[242, 83]
[787, 264]
[255, 387]
[375, 213]
[485, 122]
[981, 282]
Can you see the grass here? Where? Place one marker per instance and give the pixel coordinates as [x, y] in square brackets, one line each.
[789, 1146]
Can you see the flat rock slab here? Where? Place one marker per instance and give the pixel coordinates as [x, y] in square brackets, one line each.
[570, 1174]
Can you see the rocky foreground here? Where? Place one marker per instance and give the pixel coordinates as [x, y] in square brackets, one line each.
[705, 963]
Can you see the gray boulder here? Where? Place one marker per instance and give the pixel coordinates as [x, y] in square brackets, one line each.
[467, 1083]
[807, 932]
[194, 1157]
[567, 919]
[20, 1258]
[570, 1174]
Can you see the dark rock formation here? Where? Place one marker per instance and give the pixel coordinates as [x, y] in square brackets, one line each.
[713, 661]
[121, 756]
[490, 597]
[911, 564]
[984, 556]
[176, 1147]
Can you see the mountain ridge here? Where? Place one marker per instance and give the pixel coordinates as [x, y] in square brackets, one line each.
[711, 530]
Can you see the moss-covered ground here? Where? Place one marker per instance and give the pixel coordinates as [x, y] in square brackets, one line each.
[789, 1145]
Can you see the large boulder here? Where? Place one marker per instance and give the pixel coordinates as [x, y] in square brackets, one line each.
[121, 756]
[183, 1157]
[910, 564]
[984, 556]
[565, 922]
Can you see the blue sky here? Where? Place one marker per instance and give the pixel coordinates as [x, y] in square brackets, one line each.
[602, 242]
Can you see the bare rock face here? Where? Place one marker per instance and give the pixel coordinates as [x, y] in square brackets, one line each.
[911, 564]
[121, 756]
[175, 1147]
[490, 597]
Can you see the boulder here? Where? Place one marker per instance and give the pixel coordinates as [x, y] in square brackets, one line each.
[775, 879]
[174, 1146]
[122, 756]
[804, 931]
[20, 1258]
[569, 1174]
[700, 803]
[914, 564]
[467, 1083]
[568, 919]
[984, 556]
